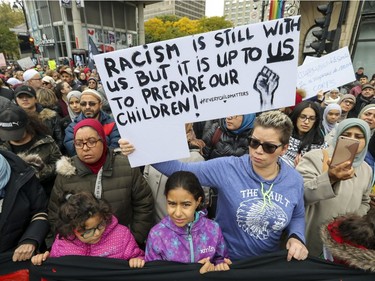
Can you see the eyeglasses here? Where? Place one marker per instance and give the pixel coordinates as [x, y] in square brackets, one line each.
[90, 143]
[303, 118]
[36, 78]
[267, 147]
[91, 103]
[90, 232]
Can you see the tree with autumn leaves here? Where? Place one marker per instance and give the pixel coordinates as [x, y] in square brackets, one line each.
[169, 27]
[9, 18]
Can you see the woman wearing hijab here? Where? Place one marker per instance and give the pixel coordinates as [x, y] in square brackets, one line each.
[74, 108]
[331, 115]
[228, 137]
[107, 174]
[339, 190]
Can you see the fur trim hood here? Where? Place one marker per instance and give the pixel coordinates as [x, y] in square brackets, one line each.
[47, 114]
[65, 167]
[32, 159]
[353, 256]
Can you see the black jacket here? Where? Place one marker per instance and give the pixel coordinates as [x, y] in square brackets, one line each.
[229, 144]
[23, 218]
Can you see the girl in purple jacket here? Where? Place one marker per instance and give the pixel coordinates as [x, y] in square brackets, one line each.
[186, 235]
[86, 227]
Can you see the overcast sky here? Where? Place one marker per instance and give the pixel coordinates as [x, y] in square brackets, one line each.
[214, 8]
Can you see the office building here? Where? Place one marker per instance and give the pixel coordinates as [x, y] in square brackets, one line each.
[192, 9]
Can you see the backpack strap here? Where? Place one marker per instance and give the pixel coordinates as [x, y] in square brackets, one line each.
[216, 136]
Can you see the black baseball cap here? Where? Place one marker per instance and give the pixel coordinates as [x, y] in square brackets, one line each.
[23, 89]
[13, 121]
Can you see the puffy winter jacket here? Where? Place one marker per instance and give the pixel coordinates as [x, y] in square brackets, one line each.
[123, 187]
[189, 244]
[229, 143]
[116, 242]
[24, 208]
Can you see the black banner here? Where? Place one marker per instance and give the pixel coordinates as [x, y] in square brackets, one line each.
[268, 267]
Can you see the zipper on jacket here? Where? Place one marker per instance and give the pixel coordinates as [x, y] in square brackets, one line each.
[190, 239]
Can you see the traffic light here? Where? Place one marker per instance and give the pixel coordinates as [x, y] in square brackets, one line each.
[31, 42]
[323, 34]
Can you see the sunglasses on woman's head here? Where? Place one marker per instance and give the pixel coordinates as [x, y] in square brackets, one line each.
[267, 147]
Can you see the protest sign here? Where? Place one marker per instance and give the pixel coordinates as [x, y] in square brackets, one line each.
[331, 71]
[52, 64]
[309, 59]
[3, 61]
[154, 89]
[26, 63]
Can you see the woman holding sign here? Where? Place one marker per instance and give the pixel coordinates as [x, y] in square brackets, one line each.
[260, 196]
[333, 190]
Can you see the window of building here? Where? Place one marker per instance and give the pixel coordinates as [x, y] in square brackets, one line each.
[364, 51]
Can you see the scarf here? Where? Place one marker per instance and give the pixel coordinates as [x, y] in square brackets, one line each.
[326, 125]
[350, 123]
[75, 94]
[97, 126]
[247, 123]
[5, 171]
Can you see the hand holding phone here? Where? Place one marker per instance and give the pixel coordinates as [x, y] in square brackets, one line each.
[345, 150]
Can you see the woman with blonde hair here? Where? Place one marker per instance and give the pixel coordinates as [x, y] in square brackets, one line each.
[47, 99]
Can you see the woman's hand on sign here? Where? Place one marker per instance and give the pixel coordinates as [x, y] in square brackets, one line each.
[126, 147]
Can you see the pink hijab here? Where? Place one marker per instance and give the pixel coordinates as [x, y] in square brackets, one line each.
[97, 126]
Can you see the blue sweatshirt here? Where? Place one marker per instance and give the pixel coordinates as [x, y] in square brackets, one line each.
[251, 211]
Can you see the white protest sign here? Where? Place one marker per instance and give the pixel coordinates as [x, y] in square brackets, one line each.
[154, 89]
[332, 70]
[3, 61]
[309, 59]
[26, 63]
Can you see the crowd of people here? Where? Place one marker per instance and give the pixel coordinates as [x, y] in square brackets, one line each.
[253, 184]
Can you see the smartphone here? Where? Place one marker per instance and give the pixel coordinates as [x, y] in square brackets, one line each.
[345, 150]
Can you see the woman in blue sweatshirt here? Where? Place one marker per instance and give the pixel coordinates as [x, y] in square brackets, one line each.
[260, 196]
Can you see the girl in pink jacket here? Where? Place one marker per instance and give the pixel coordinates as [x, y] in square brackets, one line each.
[86, 227]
